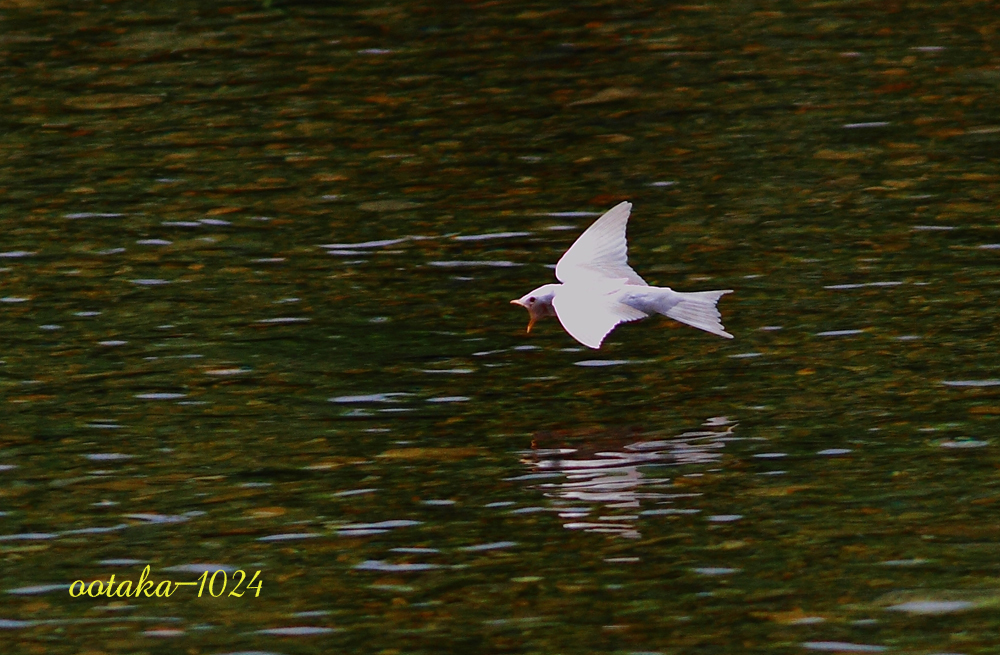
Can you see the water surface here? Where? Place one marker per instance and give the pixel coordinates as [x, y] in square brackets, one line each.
[255, 267]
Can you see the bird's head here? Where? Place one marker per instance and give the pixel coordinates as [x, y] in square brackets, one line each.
[538, 303]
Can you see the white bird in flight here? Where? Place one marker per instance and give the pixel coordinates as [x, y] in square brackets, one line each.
[599, 289]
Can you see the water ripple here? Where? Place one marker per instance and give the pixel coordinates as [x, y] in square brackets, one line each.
[932, 606]
[365, 244]
[605, 362]
[838, 333]
[865, 284]
[291, 536]
[108, 457]
[371, 398]
[842, 647]
[491, 235]
[149, 282]
[35, 590]
[373, 528]
[378, 565]
[499, 263]
[715, 571]
[92, 215]
[297, 631]
[492, 546]
[159, 518]
[28, 536]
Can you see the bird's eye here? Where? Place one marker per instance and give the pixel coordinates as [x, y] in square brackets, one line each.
[531, 299]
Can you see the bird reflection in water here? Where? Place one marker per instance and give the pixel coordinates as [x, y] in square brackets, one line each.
[608, 490]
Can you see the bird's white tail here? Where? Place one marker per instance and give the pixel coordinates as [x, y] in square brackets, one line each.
[697, 309]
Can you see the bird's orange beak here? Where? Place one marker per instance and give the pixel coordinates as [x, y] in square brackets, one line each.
[531, 322]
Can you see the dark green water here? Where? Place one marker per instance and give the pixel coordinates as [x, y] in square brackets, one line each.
[203, 363]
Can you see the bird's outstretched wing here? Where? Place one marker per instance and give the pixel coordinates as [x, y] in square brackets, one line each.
[600, 252]
[589, 314]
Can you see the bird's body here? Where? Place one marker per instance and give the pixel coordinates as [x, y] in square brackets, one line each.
[599, 289]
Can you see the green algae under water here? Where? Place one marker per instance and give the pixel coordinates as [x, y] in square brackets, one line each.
[255, 265]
